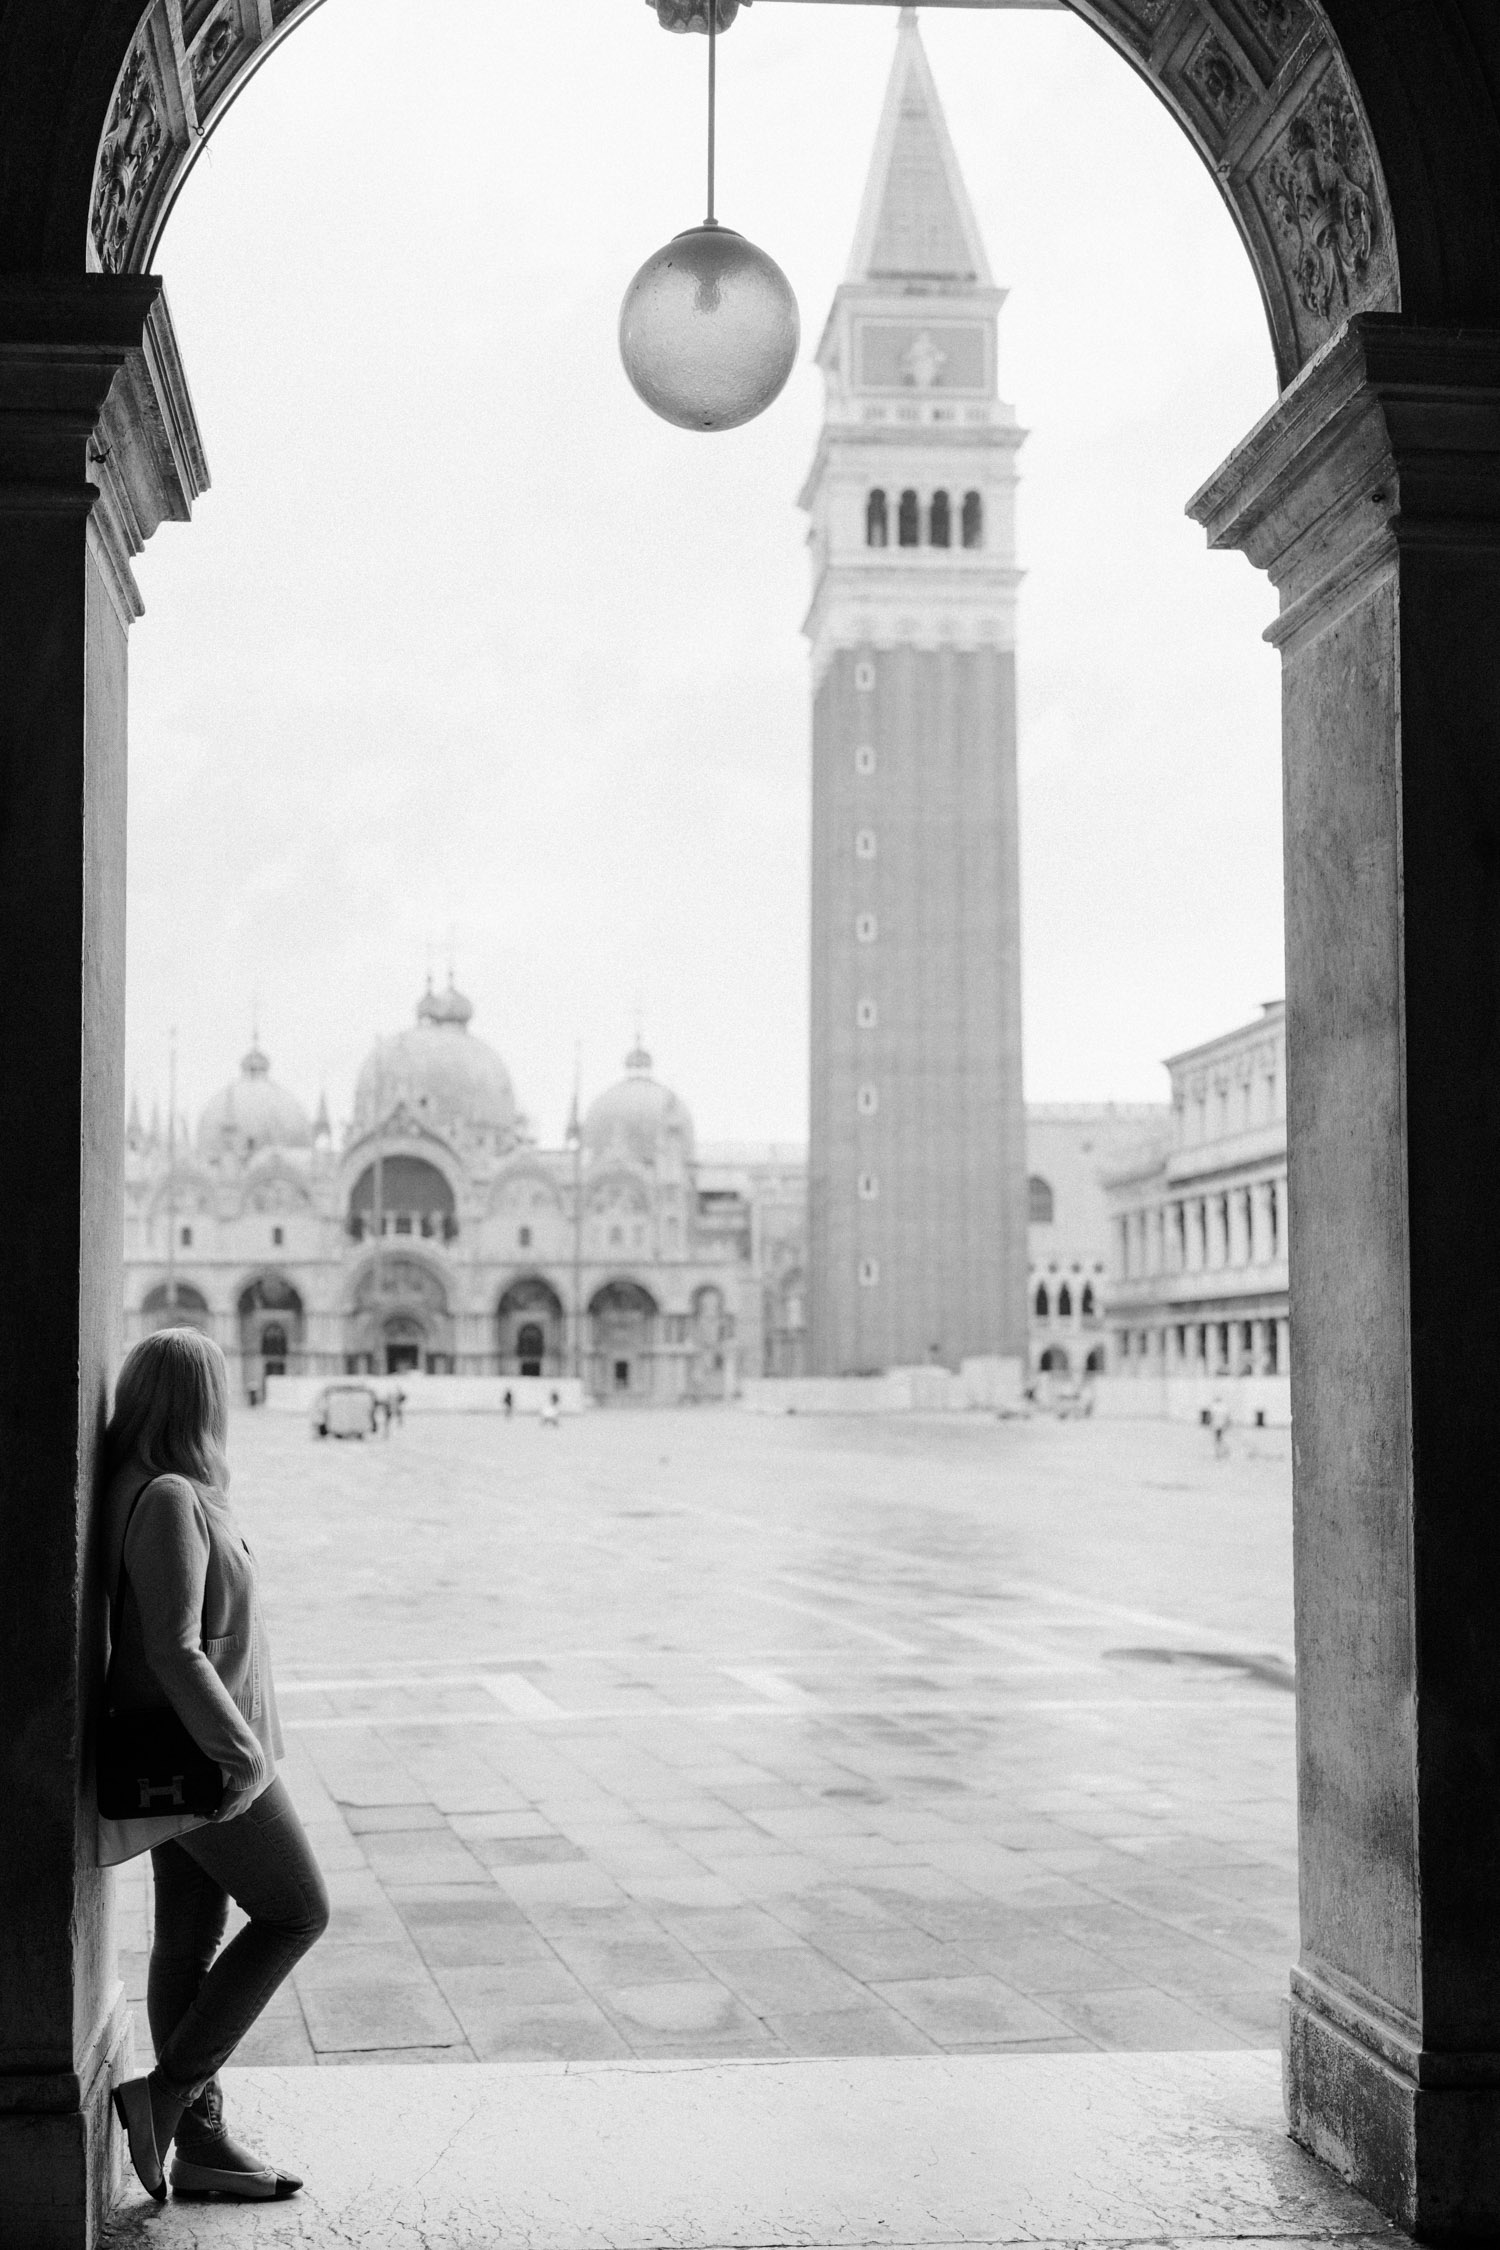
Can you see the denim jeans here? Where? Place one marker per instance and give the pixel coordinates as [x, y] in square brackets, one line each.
[201, 2002]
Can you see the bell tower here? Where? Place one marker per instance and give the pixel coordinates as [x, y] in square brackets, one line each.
[917, 1177]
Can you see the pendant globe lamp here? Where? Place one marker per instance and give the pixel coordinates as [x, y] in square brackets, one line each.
[709, 328]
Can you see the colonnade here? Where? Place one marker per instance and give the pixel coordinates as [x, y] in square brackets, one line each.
[1230, 1346]
[1221, 1230]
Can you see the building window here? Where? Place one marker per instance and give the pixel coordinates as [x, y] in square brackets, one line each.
[1064, 1303]
[1043, 1303]
[908, 521]
[1039, 1202]
[973, 520]
[876, 533]
[866, 1015]
[864, 843]
[1086, 1304]
[866, 928]
[864, 675]
[523, 1237]
[1273, 1219]
[185, 1238]
[278, 1236]
[867, 1101]
[869, 1187]
[869, 1273]
[864, 759]
[939, 523]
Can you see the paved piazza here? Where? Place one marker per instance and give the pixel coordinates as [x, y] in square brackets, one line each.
[702, 1734]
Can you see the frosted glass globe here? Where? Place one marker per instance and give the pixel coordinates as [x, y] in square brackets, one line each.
[709, 330]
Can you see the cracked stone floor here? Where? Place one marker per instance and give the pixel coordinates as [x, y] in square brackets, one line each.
[931, 2150]
[706, 1735]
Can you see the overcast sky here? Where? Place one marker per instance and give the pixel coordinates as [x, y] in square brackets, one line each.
[465, 648]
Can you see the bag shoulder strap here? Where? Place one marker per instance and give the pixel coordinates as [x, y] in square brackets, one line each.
[117, 1598]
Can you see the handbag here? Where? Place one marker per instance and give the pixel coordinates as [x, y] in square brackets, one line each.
[148, 1762]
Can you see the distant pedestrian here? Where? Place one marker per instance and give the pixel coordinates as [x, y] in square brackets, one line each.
[398, 1402]
[551, 1411]
[1218, 1422]
[509, 1403]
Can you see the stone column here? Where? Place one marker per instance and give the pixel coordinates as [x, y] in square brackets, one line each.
[97, 445]
[1260, 1224]
[1239, 1231]
[1371, 493]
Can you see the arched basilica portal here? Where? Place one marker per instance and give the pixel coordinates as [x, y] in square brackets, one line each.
[1357, 144]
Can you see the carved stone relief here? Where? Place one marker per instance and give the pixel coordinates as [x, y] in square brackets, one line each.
[1146, 14]
[1276, 19]
[130, 156]
[692, 15]
[219, 43]
[1219, 79]
[1323, 195]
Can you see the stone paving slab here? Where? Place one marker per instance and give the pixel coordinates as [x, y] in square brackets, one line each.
[942, 2150]
[777, 1737]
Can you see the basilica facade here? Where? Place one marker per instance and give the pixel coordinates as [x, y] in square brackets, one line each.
[435, 1234]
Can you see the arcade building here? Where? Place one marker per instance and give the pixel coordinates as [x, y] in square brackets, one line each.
[440, 1238]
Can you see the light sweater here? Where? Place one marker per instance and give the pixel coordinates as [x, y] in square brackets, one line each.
[191, 1636]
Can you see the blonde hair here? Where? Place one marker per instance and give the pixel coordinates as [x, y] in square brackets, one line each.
[172, 1408]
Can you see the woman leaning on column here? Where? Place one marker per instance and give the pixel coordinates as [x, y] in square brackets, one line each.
[190, 1669]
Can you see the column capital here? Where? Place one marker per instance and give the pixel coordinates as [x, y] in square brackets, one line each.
[1388, 439]
[95, 413]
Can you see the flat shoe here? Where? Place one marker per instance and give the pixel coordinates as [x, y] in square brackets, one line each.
[132, 2103]
[231, 2172]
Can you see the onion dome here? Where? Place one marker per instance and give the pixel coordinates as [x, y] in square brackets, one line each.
[251, 1114]
[440, 1071]
[639, 1119]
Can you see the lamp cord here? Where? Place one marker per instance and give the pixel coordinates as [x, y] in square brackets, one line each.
[713, 27]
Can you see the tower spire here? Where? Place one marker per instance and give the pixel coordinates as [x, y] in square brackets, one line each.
[916, 222]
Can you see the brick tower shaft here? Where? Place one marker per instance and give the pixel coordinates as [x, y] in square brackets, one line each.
[917, 1180]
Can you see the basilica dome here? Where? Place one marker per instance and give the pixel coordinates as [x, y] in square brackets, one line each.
[253, 1113]
[637, 1117]
[440, 1071]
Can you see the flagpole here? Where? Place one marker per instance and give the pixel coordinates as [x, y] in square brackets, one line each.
[575, 1135]
[172, 1169]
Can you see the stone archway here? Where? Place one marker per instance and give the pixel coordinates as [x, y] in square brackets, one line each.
[402, 1195]
[399, 1320]
[623, 1335]
[1263, 88]
[271, 1330]
[1354, 141]
[531, 1328]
